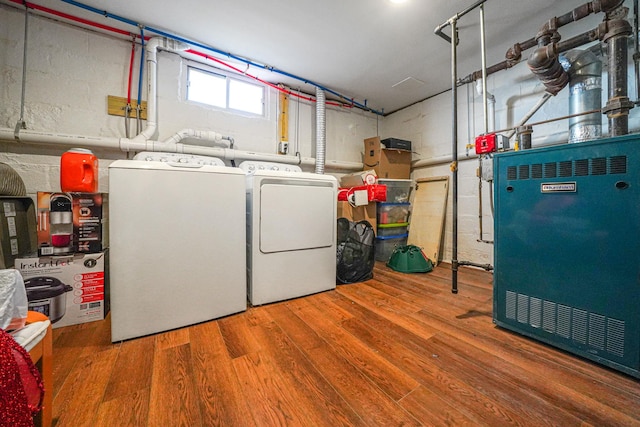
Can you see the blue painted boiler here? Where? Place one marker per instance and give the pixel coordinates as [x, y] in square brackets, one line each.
[567, 248]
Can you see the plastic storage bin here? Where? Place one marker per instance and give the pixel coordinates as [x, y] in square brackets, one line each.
[385, 230]
[393, 213]
[398, 190]
[385, 246]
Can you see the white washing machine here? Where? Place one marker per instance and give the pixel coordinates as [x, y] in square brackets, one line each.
[291, 232]
[177, 242]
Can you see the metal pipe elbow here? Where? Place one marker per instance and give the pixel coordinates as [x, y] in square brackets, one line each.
[544, 63]
[605, 6]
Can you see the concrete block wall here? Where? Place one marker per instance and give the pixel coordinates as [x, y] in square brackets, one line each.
[71, 71]
[428, 126]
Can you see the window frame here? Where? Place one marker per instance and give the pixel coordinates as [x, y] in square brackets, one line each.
[200, 68]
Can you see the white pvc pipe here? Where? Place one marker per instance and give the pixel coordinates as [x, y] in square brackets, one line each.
[489, 107]
[151, 50]
[531, 112]
[437, 161]
[204, 135]
[40, 137]
[130, 145]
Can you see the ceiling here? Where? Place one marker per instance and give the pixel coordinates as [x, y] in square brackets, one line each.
[380, 54]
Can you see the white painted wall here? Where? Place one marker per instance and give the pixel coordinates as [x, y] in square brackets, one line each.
[428, 125]
[71, 71]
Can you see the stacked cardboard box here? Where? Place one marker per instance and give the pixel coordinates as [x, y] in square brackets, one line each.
[67, 277]
[389, 163]
[386, 162]
[383, 159]
[69, 289]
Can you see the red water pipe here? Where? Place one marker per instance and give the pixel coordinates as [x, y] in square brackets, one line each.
[276, 87]
[133, 52]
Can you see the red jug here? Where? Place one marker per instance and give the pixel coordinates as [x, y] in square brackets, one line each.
[79, 171]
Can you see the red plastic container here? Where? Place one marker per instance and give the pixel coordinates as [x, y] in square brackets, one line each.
[375, 192]
[79, 171]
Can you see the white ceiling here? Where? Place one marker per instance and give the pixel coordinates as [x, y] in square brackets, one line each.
[358, 48]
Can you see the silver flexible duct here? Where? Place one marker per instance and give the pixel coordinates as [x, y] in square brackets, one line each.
[321, 130]
[585, 94]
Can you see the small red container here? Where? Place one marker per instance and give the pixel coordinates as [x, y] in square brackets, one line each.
[79, 171]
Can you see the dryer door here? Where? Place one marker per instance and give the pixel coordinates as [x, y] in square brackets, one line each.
[295, 217]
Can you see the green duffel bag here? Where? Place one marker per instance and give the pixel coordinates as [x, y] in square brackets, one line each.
[409, 259]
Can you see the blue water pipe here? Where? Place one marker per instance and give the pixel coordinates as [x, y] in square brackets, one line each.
[211, 49]
[141, 65]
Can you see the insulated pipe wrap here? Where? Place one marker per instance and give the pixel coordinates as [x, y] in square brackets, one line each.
[321, 130]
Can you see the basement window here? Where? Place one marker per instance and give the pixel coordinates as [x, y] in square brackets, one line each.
[225, 92]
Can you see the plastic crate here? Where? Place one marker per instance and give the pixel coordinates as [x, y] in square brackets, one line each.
[393, 213]
[398, 190]
[392, 229]
[385, 245]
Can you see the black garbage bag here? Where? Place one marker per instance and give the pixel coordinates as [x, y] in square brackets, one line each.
[355, 255]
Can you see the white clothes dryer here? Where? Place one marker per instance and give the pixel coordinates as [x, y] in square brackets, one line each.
[177, 242]
[291, 232]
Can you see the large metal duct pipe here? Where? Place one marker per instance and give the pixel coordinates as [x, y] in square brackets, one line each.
[321, 130]
[585, 94]
[618, 105]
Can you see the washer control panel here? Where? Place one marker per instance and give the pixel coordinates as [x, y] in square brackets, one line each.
[251, 167]
[179, 159]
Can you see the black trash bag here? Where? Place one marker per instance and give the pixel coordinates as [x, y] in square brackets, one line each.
[355, 255]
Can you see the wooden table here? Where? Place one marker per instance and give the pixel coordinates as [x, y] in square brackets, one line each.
[42, 356]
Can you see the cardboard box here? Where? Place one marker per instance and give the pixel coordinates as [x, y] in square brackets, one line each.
[18, 232]
[69, 289]
[388, 163]
[358, 213]
[357, 179]
[72, 223]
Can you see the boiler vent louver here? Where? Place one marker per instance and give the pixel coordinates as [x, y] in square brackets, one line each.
[583, 167]
[590, 329]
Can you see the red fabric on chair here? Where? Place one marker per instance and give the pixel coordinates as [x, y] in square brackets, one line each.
[21, 388]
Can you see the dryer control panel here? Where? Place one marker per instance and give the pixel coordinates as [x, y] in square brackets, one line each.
[251, 167]
[180, 159]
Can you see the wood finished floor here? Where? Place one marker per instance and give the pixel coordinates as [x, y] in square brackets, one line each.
[396, 350]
